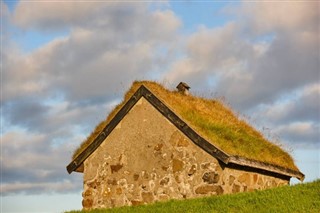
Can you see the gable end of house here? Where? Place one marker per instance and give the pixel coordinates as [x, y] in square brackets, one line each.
[164, 110]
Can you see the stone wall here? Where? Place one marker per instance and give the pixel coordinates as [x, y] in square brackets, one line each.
[146, 159]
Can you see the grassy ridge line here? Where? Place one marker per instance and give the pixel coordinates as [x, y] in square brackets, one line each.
[298, 198]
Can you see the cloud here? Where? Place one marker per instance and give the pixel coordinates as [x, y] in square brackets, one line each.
[54, 16]
[304, 106]
[28, 80]
[32, 164]
[303, 134]
[114, 16]
[254, 68]
[25, 112]
[60, 187]
[212, 53]
[281, 16]
[84, 64]
[292, 119]
[4, 10]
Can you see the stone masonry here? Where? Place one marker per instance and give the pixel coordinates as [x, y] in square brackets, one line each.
[146, 159]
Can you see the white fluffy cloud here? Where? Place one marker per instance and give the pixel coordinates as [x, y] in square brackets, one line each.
[120, 46]
[303, 106]
[253, 62]
[283, 16]
[49, 16]
[302, 132]
[32, 164]
[294, 118]
[4, 10]
[47, 187]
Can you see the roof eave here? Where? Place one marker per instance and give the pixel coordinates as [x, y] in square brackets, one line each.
[267, 167]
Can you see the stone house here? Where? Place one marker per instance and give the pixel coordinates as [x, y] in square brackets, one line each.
[159, 145]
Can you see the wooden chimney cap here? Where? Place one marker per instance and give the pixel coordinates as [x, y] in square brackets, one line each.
[183, 88]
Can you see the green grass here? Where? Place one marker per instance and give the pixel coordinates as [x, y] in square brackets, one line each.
[213, 121]
[298, 198]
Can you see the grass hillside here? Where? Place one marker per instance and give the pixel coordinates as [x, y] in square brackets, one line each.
[213, 121]
[298, 198]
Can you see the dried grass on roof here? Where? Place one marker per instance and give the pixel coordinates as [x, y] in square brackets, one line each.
[212, 120]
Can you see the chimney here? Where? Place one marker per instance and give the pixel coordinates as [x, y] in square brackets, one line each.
[183, 88]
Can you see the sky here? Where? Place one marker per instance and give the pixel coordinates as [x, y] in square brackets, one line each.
[66, 64]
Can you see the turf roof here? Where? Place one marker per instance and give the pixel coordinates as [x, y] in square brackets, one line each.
[212, 120]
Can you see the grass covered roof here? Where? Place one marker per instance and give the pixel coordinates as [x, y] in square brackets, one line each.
[213, 121]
